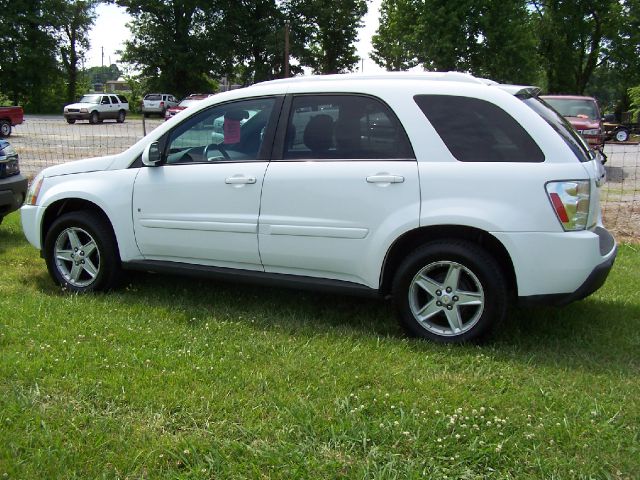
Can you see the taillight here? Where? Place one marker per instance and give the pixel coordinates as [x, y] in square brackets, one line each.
[162, 104]
[570, 200]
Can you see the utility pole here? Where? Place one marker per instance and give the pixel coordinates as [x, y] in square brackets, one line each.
[102, 48]
[286, 49]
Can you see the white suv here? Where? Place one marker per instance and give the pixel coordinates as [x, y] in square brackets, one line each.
[158, 103]
[97, 107]
[454, 195]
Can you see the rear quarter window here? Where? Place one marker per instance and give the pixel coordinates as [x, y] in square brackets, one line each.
[475, 130]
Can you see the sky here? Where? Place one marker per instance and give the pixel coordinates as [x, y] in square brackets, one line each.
[110, 32]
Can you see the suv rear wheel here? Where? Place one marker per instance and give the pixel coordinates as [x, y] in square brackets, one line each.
[5, 128]
[121, 116]
[450, 291]
[622, 135]
[81, 252]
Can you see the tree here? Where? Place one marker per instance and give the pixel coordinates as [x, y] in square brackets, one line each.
[324, 33]
[78, 18]
[255, 33]
[28, 48]
[488, 38]
[574, 39]
[40, 42]
[170, 43]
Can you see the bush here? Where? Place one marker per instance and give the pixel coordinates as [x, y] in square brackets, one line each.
[634, 95]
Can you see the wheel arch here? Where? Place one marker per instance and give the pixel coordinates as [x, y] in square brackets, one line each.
[66, 205]
[412, 239]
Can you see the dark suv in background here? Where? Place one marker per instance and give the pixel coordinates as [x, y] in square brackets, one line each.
[13, 186]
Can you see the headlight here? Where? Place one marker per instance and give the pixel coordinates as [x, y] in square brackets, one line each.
[570, 200]
[7, 151]
[34, 190]
[592, 131]
[84, 110]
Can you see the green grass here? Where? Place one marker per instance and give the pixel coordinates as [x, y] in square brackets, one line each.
[180, 378]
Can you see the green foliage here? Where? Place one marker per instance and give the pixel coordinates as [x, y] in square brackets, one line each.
[41, 42]
[324, 33]
[634, 95]
[174, 44]
[80, 16]
[490, 38]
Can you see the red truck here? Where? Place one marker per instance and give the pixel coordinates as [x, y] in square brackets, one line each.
[10, 117]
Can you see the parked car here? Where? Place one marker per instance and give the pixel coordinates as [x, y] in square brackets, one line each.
[584, 115]
[157, 103]
[13, 186]
[453, 195]
[184, 103]
[10, 117]
[97, 107]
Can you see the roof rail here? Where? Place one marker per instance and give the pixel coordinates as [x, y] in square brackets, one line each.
[431, 76]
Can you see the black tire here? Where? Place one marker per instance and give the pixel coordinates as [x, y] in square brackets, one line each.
[121, 116]
[621, 135]
[94, 118]
[71, 121]
[480, 280]
[5, 128]
[163, 112]
[104, 259]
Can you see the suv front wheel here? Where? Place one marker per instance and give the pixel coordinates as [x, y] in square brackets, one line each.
[450, 291]
[81, 252]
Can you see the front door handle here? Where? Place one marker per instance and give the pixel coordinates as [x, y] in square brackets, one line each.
[238, 180]
[384, 178]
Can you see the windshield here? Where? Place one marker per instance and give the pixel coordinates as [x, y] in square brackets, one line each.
[568, 107]
[575, 142]
[90, 99]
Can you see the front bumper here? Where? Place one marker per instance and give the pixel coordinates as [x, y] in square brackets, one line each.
[77, 116]
[12, 193]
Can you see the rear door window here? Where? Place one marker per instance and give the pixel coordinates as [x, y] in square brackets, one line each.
[475, 130]
[344, 127]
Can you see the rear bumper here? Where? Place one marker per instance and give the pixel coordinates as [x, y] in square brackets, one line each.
[559, 267]
[12, 193]
[594, 281]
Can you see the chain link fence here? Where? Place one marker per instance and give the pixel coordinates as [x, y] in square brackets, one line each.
[44, 141]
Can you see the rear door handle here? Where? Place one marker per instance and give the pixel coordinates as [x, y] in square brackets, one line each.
[238, 180]
[385, 179]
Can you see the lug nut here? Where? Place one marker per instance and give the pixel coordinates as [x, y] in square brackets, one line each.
[455, 298]
[449, 307]
[439, 303]
[448, 289]
[438, 292]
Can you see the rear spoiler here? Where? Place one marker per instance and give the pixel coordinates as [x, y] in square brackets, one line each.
[521, 91]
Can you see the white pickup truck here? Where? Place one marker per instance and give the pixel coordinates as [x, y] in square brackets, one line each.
[97, 107]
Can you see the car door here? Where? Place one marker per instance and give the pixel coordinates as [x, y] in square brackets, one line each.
[201, 205]
[115, 106]
[105, 107]
[342, 185]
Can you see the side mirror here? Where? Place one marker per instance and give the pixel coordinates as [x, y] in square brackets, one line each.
[151, 157]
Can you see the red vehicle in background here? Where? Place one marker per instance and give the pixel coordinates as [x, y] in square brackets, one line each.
[186, 102]
[584, 115]
[10, 117]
